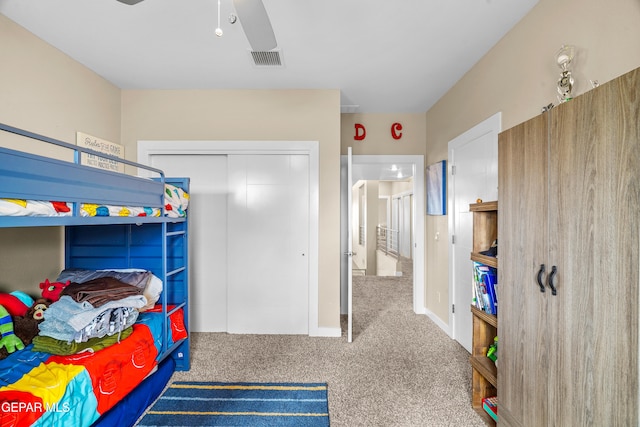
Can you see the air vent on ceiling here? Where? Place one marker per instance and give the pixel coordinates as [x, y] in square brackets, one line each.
[271, 58]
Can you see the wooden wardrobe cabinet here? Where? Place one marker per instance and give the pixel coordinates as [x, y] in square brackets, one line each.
[569, 192]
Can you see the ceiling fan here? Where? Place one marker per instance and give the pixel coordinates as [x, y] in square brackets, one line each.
[255, 23]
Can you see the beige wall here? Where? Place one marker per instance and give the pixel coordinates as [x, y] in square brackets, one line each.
[378, 138]
[291, 115]
[518, 76]
[44, 91]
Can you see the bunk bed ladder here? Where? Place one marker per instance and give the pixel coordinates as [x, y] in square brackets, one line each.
[175, 236]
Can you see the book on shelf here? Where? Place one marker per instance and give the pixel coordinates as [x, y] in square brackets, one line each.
[485, 280]
[490, 405]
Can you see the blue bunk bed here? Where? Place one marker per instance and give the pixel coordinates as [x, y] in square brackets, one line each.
[158, 244]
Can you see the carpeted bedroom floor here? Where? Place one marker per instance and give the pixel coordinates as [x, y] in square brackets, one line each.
[400, 369]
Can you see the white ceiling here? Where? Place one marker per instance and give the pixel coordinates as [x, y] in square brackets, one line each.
[385, 56]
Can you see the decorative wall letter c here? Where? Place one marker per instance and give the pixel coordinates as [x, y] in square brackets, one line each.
[396, 129]
[361, 132]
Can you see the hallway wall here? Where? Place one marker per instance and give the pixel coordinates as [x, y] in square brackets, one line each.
[518, 77]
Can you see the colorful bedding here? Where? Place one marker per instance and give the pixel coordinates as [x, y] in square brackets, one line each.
[176, 203]
[42, 389]
[20, 207]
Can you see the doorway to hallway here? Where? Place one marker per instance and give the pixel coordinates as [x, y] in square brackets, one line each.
[382, 226]
[386, 168]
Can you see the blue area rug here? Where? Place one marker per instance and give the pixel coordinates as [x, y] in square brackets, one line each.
[240, 404]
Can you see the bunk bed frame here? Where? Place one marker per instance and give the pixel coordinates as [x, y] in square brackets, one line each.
[158, 244]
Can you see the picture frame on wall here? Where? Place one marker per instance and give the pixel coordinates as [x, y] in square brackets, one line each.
[437, 188]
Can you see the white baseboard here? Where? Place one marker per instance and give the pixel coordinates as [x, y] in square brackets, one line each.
[431, 315]
[326, 332]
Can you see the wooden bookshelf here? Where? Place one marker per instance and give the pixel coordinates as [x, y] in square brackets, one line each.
[484, 206]
[484, 259]
[485, 326]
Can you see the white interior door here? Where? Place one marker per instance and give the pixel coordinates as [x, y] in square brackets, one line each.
[268, 268]
[474, 155]
[349, 253]
[208, 237]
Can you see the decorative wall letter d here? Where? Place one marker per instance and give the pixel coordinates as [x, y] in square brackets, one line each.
[361, 132]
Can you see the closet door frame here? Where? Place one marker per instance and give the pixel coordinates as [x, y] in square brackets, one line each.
[311, 148]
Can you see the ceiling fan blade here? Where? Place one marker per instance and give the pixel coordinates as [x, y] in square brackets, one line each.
[130, 2]
[256, 24]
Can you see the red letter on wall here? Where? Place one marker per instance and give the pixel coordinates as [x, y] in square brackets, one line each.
[395, 131]
[361, 132]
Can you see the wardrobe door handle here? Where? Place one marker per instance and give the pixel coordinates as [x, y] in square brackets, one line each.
[540, 273]
[552, 275]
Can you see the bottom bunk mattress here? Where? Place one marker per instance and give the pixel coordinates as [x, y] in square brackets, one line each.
[44, 389]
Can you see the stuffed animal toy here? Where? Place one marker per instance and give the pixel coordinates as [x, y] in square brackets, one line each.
[26, 327]
[36, 311]
[13, 305]
[9, 341]
[24, 297]
[52, 290]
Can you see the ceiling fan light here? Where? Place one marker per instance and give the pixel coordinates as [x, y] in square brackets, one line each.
[218, 30]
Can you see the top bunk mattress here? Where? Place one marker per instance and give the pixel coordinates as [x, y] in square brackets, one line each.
[43, 191]
[176, 202]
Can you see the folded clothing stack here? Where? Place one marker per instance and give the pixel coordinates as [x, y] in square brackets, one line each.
[95, 309]
[151, 285]
[51, 345]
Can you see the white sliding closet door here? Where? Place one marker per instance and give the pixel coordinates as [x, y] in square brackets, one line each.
[208, 234]
[268, 225]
